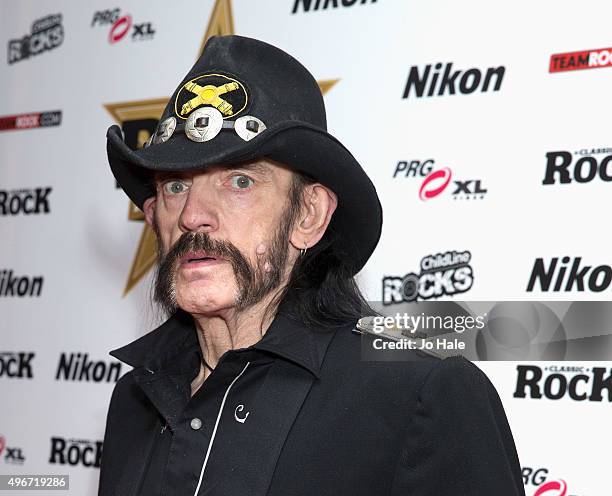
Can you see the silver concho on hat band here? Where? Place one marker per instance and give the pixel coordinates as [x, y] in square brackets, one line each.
[203, 124]
[247, 127]
[164, 131]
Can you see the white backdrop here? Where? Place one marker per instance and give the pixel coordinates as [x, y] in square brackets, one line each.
[85, 245]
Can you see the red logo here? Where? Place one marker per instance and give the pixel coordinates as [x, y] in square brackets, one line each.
[31, 120]
[435, 183]
[552, 488]
[585, 59]
[120, 29]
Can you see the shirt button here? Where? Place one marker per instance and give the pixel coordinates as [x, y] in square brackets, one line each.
[196, 423]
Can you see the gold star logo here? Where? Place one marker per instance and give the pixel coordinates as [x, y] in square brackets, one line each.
[147, 113]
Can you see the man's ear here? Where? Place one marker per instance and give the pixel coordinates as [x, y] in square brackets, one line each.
[318, 204]
[149, 210]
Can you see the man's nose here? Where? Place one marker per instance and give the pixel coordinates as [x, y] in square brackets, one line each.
[198, 213]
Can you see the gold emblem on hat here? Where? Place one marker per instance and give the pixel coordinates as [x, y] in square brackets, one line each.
[210, 94]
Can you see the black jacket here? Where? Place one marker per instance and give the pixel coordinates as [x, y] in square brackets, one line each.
[299, 413]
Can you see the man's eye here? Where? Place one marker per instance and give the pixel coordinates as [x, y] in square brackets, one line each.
[241, 182]
[175, 187]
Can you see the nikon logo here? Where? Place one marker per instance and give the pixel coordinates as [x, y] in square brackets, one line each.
[20, 286]
[437, 82]
[79, 367]
[566, 274]
[313, 5]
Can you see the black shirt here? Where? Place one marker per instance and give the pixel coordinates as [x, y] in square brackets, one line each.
[300, 413]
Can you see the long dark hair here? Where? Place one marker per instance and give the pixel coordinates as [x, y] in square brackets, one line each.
[321, 290]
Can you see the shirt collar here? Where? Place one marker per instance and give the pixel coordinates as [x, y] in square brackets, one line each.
[286, 337]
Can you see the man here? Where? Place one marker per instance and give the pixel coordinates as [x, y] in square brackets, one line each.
[254, 385]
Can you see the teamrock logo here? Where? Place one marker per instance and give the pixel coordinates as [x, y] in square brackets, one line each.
[584, 59]
[577, 383]
[435, 182]
[79, 367]
[19, 286]
[314, 5]
[121, 25]
[11, 454]
[16, 364]
[565, 274]
[442, 274]
[75, 452]
[583, 166]
[47, 34]
[424, 83]
[25, 201]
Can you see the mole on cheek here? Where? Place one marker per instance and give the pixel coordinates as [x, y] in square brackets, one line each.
[261, 249]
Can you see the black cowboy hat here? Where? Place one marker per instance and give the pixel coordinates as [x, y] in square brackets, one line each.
[242, 100]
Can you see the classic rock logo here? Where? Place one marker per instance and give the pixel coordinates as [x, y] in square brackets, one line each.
[75, 452]
[11, 454]
[584, 59]
[555, 382]
[47, 34]
[538, 478]
[16, 364]
[25, 201]
[314, 5]
[79, 367]
[565, 274]
[224, 93]
[435, 182]
[121, 25]
[583, 166]
[442, 274]
[30, 120]
[424, 83]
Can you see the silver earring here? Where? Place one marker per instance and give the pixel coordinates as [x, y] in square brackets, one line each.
[303, 250]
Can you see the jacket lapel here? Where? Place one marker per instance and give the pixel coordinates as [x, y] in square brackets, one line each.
[245, 454]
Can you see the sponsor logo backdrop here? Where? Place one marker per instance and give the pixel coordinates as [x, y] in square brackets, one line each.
[483, 133]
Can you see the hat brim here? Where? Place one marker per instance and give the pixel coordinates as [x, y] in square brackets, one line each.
[300, 146]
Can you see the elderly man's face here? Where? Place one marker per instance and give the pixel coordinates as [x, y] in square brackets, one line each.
[224, 236]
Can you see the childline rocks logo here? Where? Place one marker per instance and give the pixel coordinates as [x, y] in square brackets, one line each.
[31, 120]
[566, 274]
[584, 59]
[451, 82]
[120, 25]
[47, 34]
[79, 367]
[11, 454]
[25, 201]
[313, 5]
[555, 382]
[442, 274]
[75, 452]
[435, 182]
[20, 286]
[16, 364]
[587, 167]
